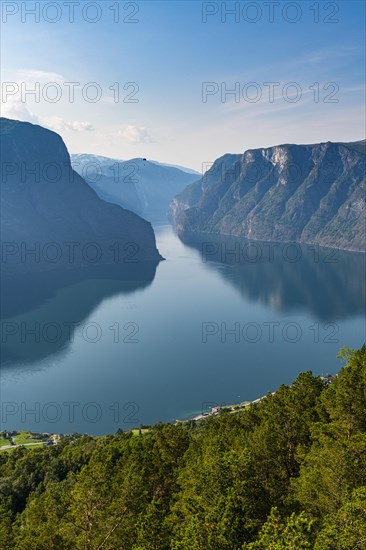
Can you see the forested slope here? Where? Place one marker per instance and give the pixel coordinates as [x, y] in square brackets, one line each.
[288, 473]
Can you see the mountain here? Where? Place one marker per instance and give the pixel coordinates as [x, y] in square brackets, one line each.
[301, 193]
[50, 217]
[143, 186]
[183, 168]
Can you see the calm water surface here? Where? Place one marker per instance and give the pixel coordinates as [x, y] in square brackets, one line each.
[218, 322]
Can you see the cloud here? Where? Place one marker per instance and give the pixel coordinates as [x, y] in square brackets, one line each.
[15, 109]
[135, 134]
[80, 126]
[39, 76]
[59, 124]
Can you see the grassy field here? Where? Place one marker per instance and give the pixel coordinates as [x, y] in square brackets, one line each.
[4, 442]
[24, 437]
[136, 431]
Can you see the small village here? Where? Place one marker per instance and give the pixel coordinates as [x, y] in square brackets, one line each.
[13, 439]
[237, 407]
[220, 409]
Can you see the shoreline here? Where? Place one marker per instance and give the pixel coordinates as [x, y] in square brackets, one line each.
[46, 439]
[53, 439]
[236, 407]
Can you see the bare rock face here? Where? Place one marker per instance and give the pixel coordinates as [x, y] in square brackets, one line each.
[302, 193]
[50, 217]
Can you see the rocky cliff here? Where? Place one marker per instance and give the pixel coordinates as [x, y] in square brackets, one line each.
[302, 193]
[50, 217]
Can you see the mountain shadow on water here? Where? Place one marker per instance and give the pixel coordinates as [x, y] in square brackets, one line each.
[41, 311]
[328, 283]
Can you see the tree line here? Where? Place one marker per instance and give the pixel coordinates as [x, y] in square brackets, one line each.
[286, 473]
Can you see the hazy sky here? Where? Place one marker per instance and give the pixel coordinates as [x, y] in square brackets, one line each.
[295, 71]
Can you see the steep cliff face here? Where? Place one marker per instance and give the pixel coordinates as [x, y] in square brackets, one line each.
[48, 208]
[192, 194]
[302, 193]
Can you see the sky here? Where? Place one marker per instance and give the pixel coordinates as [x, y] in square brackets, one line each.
[184, 82]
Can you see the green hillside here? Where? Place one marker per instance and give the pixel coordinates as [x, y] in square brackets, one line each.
[287, 473]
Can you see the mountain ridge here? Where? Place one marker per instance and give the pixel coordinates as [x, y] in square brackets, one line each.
[44, 202]
[303, 193]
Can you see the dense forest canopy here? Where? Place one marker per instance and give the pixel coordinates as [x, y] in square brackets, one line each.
[286, 473]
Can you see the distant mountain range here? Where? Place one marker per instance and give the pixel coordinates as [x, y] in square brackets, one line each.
[49, 209]
[287, 193]
[143, 186]
[183, 168]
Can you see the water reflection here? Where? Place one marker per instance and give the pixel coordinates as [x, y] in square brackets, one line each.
[41, 311]
[172, 370]
[328, 283]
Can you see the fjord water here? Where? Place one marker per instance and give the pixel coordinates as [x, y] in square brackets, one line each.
[219, 322]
